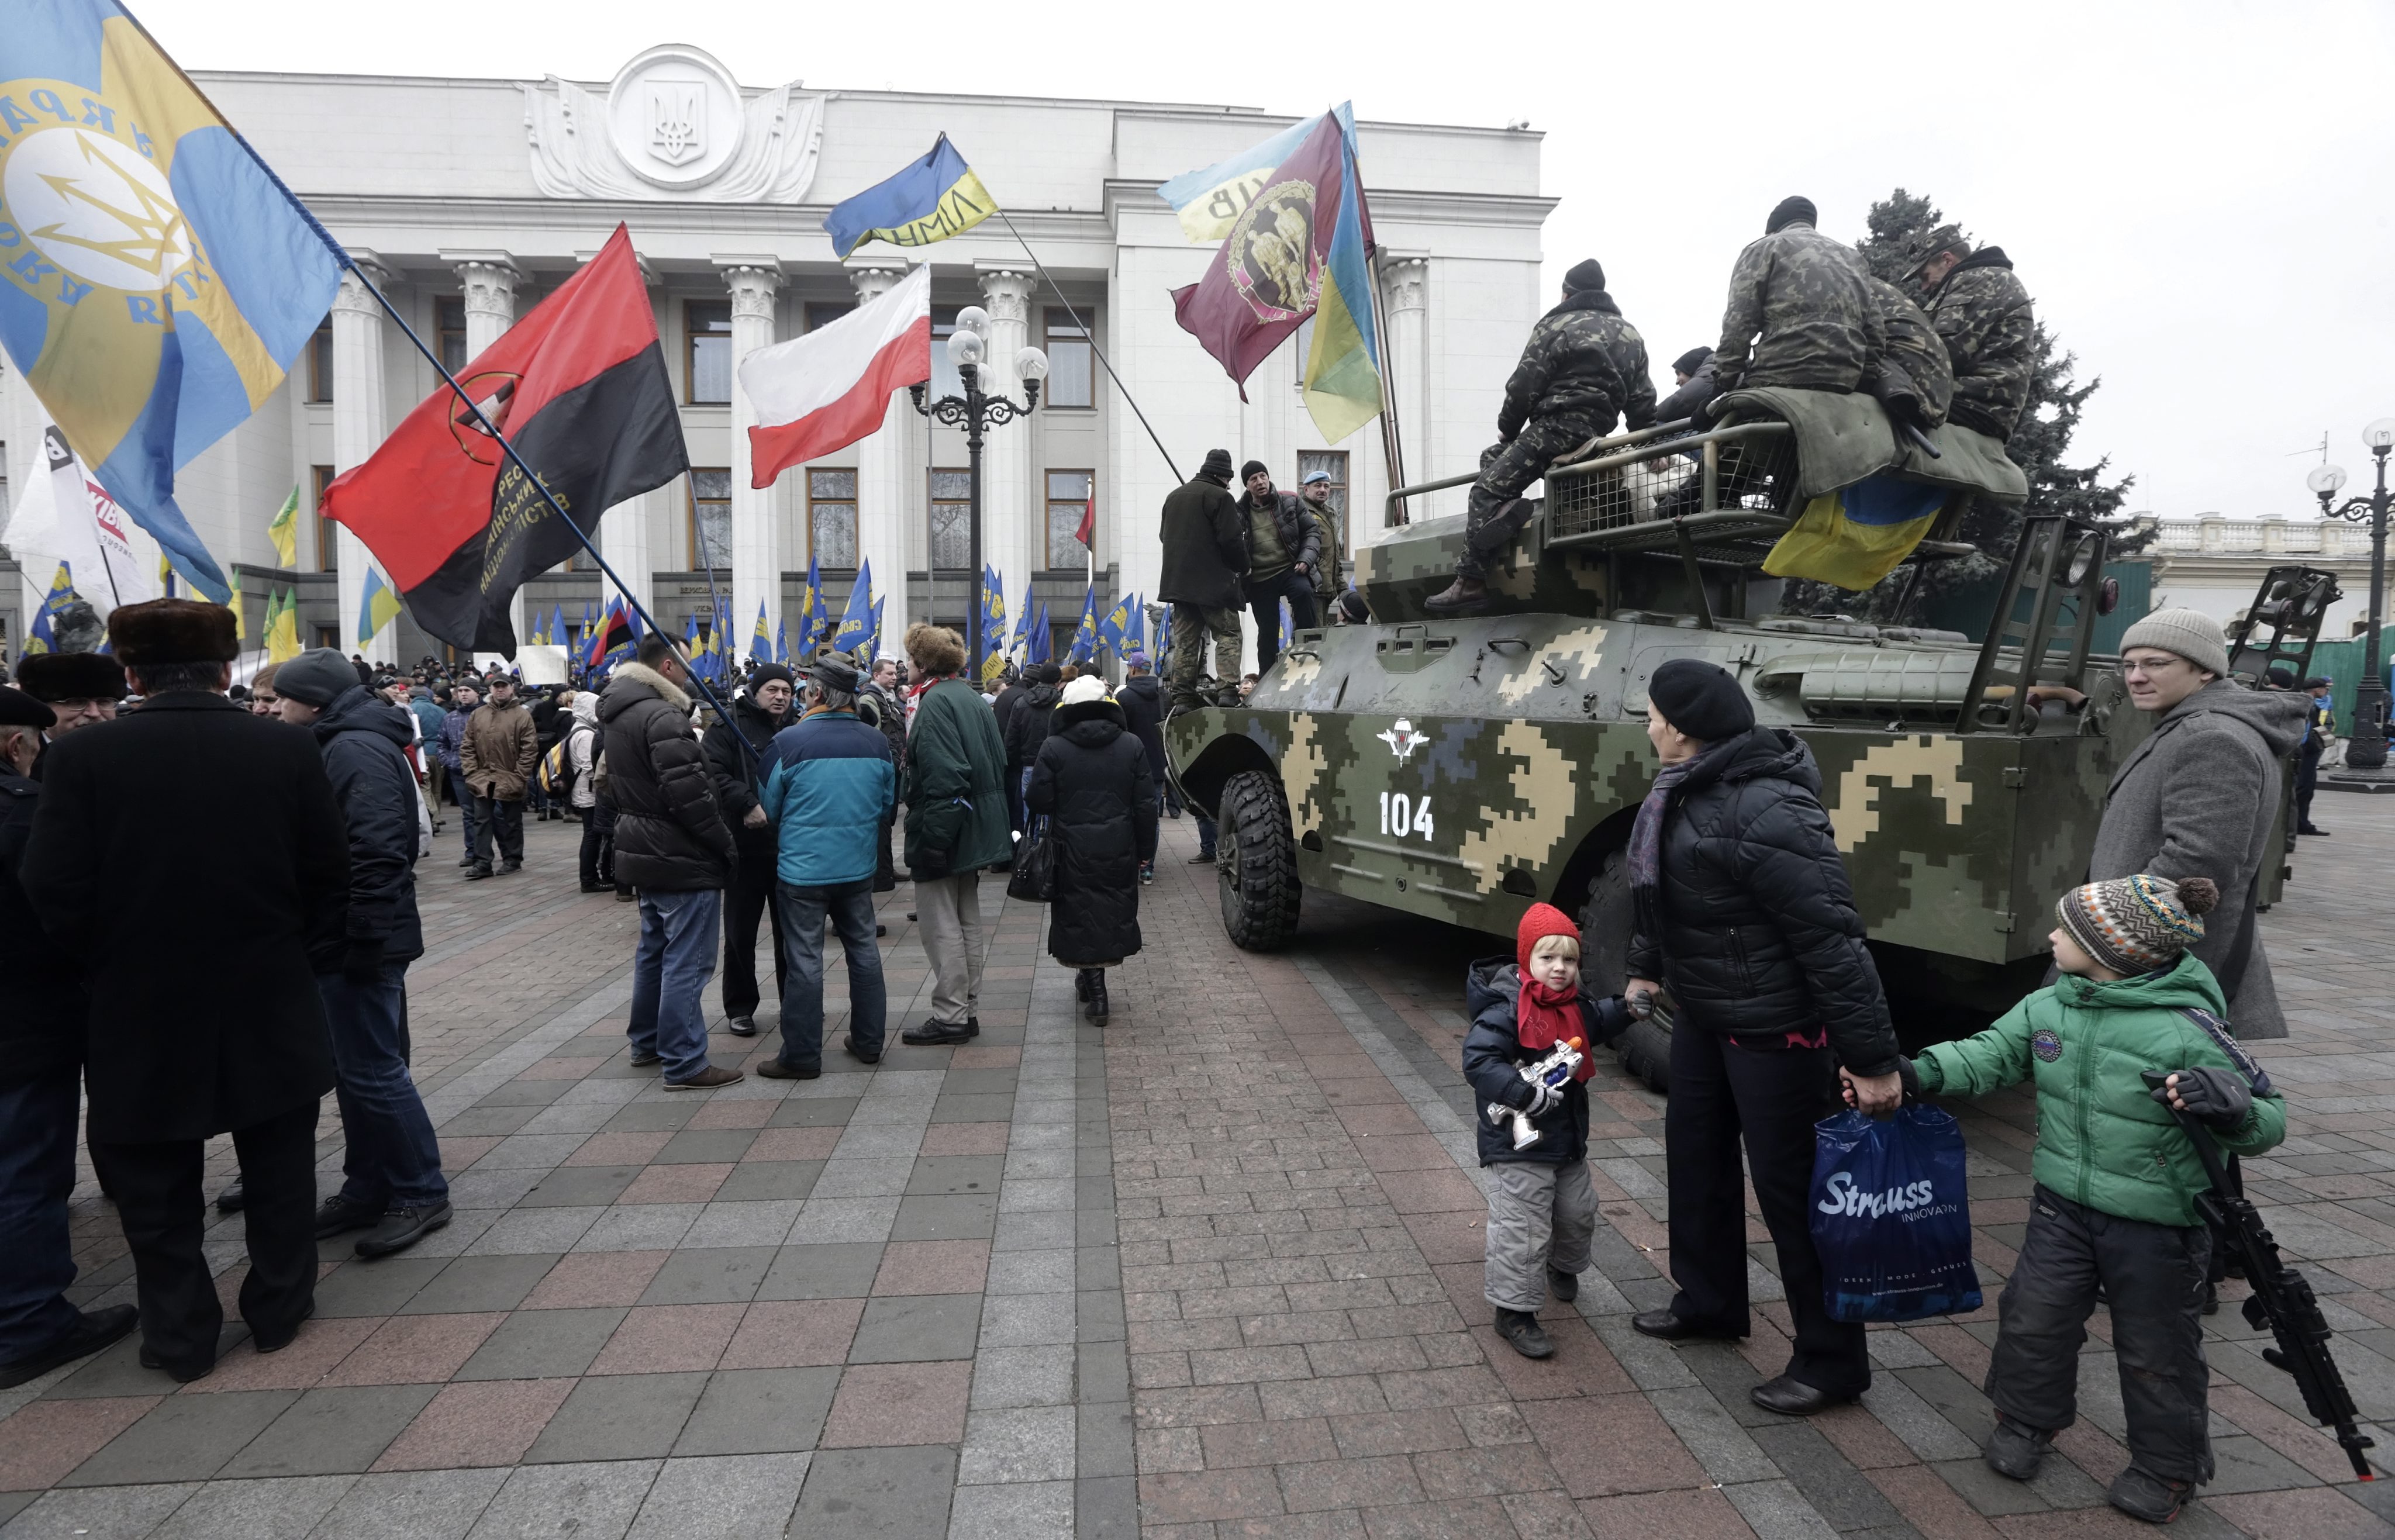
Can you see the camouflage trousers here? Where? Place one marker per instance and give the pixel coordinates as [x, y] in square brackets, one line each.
[1505, 470]
[1192, 623]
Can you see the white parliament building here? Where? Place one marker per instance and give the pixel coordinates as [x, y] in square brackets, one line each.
[471, 200]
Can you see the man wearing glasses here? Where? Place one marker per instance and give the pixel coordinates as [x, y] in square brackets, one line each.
[80, 687]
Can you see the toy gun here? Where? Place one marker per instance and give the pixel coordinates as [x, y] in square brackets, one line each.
[2281, 1299]
[1549, 1074]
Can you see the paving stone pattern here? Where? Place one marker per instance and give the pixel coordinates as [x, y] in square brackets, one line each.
[1214, 1272]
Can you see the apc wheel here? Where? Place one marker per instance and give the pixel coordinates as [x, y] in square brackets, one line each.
[1605, 923]
[1257, 863]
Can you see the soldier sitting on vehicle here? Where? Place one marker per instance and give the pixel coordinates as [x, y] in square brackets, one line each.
[1984, 315]
[1913, 379]
[1584, 369]
[1800, 312]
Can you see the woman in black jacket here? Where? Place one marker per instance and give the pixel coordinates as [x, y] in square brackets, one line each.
[1744, 912]
[1091, 780]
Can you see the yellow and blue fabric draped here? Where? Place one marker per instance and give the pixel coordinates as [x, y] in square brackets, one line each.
[156, 278]
[1856, 535]
[934, 198]
[1342, 367]
[1211, 199]
[376, 608]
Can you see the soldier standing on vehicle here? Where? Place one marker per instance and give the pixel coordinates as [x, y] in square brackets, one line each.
[1800, 313]
[1284, 549]
[1205, 557]
[1983, 314]
[1584, 370]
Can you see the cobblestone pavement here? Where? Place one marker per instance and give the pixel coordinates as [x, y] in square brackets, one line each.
[1210, 1272]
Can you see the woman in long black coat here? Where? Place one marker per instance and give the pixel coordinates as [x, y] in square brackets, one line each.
[1091, 780]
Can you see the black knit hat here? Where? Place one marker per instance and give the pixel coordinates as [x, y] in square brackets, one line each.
[1254, 467]
[1218, 463]
[1691, 360]
[765, 671]
[1791, 211]
[1586, 274]
[1701, 699]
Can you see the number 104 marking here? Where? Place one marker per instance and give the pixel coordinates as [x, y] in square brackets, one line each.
[1400, 815]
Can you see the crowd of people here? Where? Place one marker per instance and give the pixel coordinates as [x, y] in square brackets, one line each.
[781, 807]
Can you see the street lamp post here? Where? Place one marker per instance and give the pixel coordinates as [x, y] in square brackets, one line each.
[975, 412]
[2368, 748]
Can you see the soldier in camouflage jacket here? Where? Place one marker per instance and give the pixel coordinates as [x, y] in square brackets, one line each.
[1584, 370]
[1799, 300]
[1983, 313]
[1916, 351]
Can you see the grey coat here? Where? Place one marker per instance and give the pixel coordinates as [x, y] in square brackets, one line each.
[2198, 798]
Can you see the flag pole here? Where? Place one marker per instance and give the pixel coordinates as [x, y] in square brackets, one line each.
[492, 429]
[1089, 333]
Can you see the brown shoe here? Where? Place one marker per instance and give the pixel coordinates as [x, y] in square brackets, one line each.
[1465, 594]
[706, 1079]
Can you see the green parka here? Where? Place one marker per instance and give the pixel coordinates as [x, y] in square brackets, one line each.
[956, 769]
[2102, 1140]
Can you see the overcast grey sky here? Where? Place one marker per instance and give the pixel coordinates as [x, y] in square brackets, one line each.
[2197, 195]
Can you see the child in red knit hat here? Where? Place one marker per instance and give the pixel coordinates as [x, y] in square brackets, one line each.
[1541, 1207]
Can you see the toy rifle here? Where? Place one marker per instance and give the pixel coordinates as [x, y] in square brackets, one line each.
[2281, 1299]
[1561, 1063]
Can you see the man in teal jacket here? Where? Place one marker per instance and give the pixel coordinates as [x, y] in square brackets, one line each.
[956, 826]
[829, 783]
[2117, 1176]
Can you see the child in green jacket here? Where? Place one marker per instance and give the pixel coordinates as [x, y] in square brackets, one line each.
[2117, 1176]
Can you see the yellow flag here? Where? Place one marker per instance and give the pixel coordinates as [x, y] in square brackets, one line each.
[285, 530]
[240, 622]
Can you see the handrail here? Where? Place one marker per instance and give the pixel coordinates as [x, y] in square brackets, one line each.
[1389, 519]
[1763, 428]
[1639, 444]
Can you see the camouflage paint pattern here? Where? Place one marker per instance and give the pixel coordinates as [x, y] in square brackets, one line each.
[1427, 763]
[1798, 314]
[1984, 315]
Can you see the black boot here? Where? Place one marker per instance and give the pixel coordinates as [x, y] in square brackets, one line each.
[1081, 985]
[1098, 997]
[1522, 1329]
[1464, 596]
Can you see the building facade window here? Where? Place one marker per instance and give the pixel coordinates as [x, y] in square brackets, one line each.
[328, 636]
[951, 542]
[320, 364]
[706, 356]
[710, 520]
[1070, 382]
[1069, 494]
[1335, 461]
[449, 319]
[831, 518]
[823, 312]
[328, 548]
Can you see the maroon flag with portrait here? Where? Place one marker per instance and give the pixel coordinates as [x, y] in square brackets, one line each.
[1267, 278]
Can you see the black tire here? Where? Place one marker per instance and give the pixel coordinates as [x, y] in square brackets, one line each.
[1606, 917]
[1257, 864]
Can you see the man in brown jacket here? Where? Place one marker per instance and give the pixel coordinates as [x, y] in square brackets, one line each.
[500, 749]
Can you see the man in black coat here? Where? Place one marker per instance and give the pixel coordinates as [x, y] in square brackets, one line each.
[1205, 557]
[1284, 552]
[1009, 700]
[392, 1187]
[674, 844]
[41, 1064]
[1141, 700]
[1026, 728]
[1744, 912]
[185, 833]
[756, 717]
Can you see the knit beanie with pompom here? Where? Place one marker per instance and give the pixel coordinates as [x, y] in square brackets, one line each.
[2138, 924]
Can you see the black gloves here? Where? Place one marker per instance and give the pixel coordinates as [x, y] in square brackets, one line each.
[931, 864]
[362, 965]
[2215, 1096]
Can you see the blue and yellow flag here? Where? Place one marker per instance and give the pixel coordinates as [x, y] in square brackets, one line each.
[376, 608]
[875, 644]
[781, 642]
[1134, 636]
[1021, 629]
[1117, 624]
[1085, 635]
[1211, 199]
[157, 279]
[1856, 535]
[992, 624]
[40, 637]
[931, 200]
[1041, 643]
[761, 642]
[814, 616]
[856, 621]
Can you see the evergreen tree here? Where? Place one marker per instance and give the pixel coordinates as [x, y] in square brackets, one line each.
[1898, 226]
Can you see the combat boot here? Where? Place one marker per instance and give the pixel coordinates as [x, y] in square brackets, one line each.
[1464, 595]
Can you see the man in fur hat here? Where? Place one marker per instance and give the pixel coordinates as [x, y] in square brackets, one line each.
[80, 687]
[183, 833]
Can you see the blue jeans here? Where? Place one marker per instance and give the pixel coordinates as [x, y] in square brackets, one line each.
[1207, 830]
[851, 908]
[392, 1161]
[36, 1176]
[669, 972]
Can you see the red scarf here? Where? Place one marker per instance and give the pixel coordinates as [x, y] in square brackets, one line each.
[1544, 1017]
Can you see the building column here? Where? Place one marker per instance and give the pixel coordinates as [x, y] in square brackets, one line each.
[488, 280]
[1405, 282]
[623, 529]
[1012, 520]
[361, 421]
[881, 500]
[755, 533]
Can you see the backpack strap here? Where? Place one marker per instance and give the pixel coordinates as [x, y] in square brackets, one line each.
[2217, 1030]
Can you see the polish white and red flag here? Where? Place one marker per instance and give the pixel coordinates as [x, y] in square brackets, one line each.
[819, 393]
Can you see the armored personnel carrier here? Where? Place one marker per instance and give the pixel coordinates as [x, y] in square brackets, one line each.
[1463, 768]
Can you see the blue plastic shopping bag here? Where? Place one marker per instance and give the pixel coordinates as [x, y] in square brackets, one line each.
[1891, 1219]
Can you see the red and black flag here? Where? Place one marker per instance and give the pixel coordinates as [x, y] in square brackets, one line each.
[579, 387]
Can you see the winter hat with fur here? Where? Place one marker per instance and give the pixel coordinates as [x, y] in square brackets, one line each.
[71, 677]
[174, 630]
[2135, 925]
